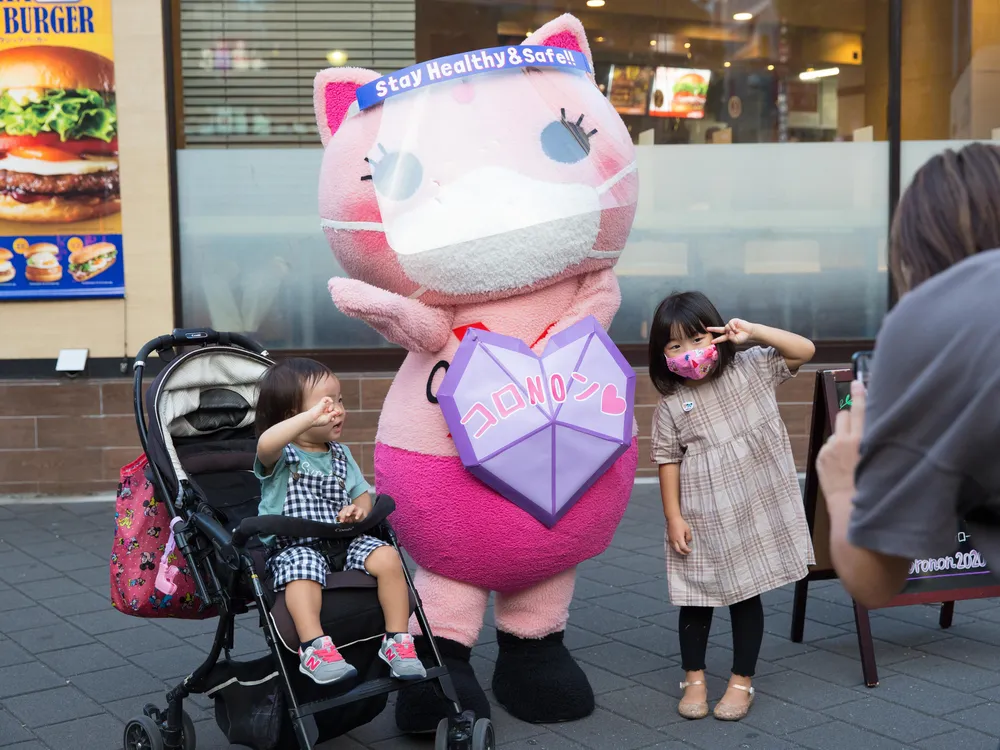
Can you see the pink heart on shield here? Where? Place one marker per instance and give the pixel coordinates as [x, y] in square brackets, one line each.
[540, 430]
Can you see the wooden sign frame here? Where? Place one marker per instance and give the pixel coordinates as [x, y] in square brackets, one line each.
[825, 407]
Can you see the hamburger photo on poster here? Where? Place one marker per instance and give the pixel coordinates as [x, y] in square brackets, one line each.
[58, 135]
[680, 92]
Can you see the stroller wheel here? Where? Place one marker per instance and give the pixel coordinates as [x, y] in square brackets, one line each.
[483, 737]
[441, 736]
[188, 739]
[142, 733]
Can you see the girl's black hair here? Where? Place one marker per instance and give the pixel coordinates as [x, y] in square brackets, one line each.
[683, 315]
[281, 390]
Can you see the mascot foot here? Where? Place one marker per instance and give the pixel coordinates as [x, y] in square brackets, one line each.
[420, 708]
[538, 681]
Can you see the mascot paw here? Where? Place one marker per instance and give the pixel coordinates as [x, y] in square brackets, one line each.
[538, 681]
[420, 708]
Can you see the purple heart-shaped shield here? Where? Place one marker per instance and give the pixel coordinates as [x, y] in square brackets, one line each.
[539, 430]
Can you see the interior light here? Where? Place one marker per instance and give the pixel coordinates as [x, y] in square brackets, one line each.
[652, 42]
[528, 33]
[726, 64]
[687, 45]
[811, 74]
[742, 16]
[595, 3]
[770, 67]
[337, 57]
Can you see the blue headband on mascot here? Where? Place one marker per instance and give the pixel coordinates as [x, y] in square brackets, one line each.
[453, 67]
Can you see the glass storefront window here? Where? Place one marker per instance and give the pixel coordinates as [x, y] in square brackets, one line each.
[760, 129]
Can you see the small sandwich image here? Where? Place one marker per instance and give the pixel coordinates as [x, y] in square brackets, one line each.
[91, 260]
[42, 263]
[6, 267]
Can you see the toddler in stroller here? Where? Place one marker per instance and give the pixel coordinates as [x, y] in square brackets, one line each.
[201, 445]
[306, 474]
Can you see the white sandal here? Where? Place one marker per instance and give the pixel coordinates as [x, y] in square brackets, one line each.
[729, 712]
[692, 710]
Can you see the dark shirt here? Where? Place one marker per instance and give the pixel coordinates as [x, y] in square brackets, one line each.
[929, 456]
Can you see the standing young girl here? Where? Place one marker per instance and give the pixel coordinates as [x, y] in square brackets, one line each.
[306, 473]
[735, 520]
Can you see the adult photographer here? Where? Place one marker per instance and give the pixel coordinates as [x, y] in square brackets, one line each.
[921, 450]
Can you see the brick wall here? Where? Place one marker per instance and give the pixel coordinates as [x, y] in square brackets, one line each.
[65, 437]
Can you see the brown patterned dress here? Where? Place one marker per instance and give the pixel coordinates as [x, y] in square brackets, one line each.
[739, 488]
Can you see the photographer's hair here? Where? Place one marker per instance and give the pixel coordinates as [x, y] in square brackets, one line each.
[280, 391]
[683, 315]
[949, 212]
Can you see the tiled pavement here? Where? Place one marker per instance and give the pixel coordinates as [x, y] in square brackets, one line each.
[72, 668]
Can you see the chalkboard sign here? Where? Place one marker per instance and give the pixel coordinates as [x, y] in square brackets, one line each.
[963, 575]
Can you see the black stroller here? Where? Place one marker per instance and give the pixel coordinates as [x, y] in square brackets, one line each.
[200, 444]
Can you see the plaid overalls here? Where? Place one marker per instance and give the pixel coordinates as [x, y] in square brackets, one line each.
[316, 497]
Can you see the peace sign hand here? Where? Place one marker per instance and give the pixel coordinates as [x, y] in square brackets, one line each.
[736, 330]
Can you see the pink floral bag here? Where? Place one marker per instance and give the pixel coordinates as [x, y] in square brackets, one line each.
[149, 577]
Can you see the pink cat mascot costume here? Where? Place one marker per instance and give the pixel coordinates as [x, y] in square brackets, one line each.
[498, 201]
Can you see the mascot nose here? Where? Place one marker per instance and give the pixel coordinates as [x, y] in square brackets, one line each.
[464, 92]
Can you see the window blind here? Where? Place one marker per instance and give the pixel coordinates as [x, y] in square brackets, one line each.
[247, 66]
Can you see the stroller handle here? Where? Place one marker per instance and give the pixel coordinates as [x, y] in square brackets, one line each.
[196, 337]
[298, 527]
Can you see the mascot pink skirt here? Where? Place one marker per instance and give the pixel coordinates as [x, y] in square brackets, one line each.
[493, 190]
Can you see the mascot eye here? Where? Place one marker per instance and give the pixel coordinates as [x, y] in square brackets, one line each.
[396, 175]
[565, 141]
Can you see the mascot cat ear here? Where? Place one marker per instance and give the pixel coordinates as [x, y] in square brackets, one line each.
[334, 91]
[565, 32]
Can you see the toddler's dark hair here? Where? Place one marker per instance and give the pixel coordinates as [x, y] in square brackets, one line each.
[683, 315]
[281, 390]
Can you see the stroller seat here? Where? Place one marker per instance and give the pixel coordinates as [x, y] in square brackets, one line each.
[201, 444]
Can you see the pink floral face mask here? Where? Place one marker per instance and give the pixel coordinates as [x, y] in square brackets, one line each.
[695, 364]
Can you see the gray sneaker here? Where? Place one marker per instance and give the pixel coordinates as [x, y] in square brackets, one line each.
[401, 656]
[323, 662]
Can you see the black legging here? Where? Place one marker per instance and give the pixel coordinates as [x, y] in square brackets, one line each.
[748, 632]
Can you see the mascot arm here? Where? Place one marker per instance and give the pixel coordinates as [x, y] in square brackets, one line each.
[598, 295]
[403, 321]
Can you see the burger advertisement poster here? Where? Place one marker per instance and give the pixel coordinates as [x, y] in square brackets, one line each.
[679, 92]
[60, 205]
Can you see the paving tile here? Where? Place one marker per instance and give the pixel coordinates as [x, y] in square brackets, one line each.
[77, 604]
[960, 739]
[780, 624]
[709, 734]
[33, 571]
[603, 681]
[42, 590]
[924, 696]
[777, 717]
[11, 599]
[52, 637]
[632, 604]
[12, 730]
[11, 653]
[947, 672]
[70, 662]
[169, 663]
[623, 659]
[643, 705]
[32, 745]
[26, 618]
[879, 716]
[117, 682]
[984, 717]
[52, 706]
[804, 690]
[139, 640]
[27, 678]
[102, 731]
[905, 633]
[837, 735]
[603, 729]
[109, 620]
[601, 620]
[885, 653]
[834, 668]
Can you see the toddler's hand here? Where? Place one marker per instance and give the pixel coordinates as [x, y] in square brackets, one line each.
[351, 514]
[679, 536]
[323, 412]
[736, 330]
